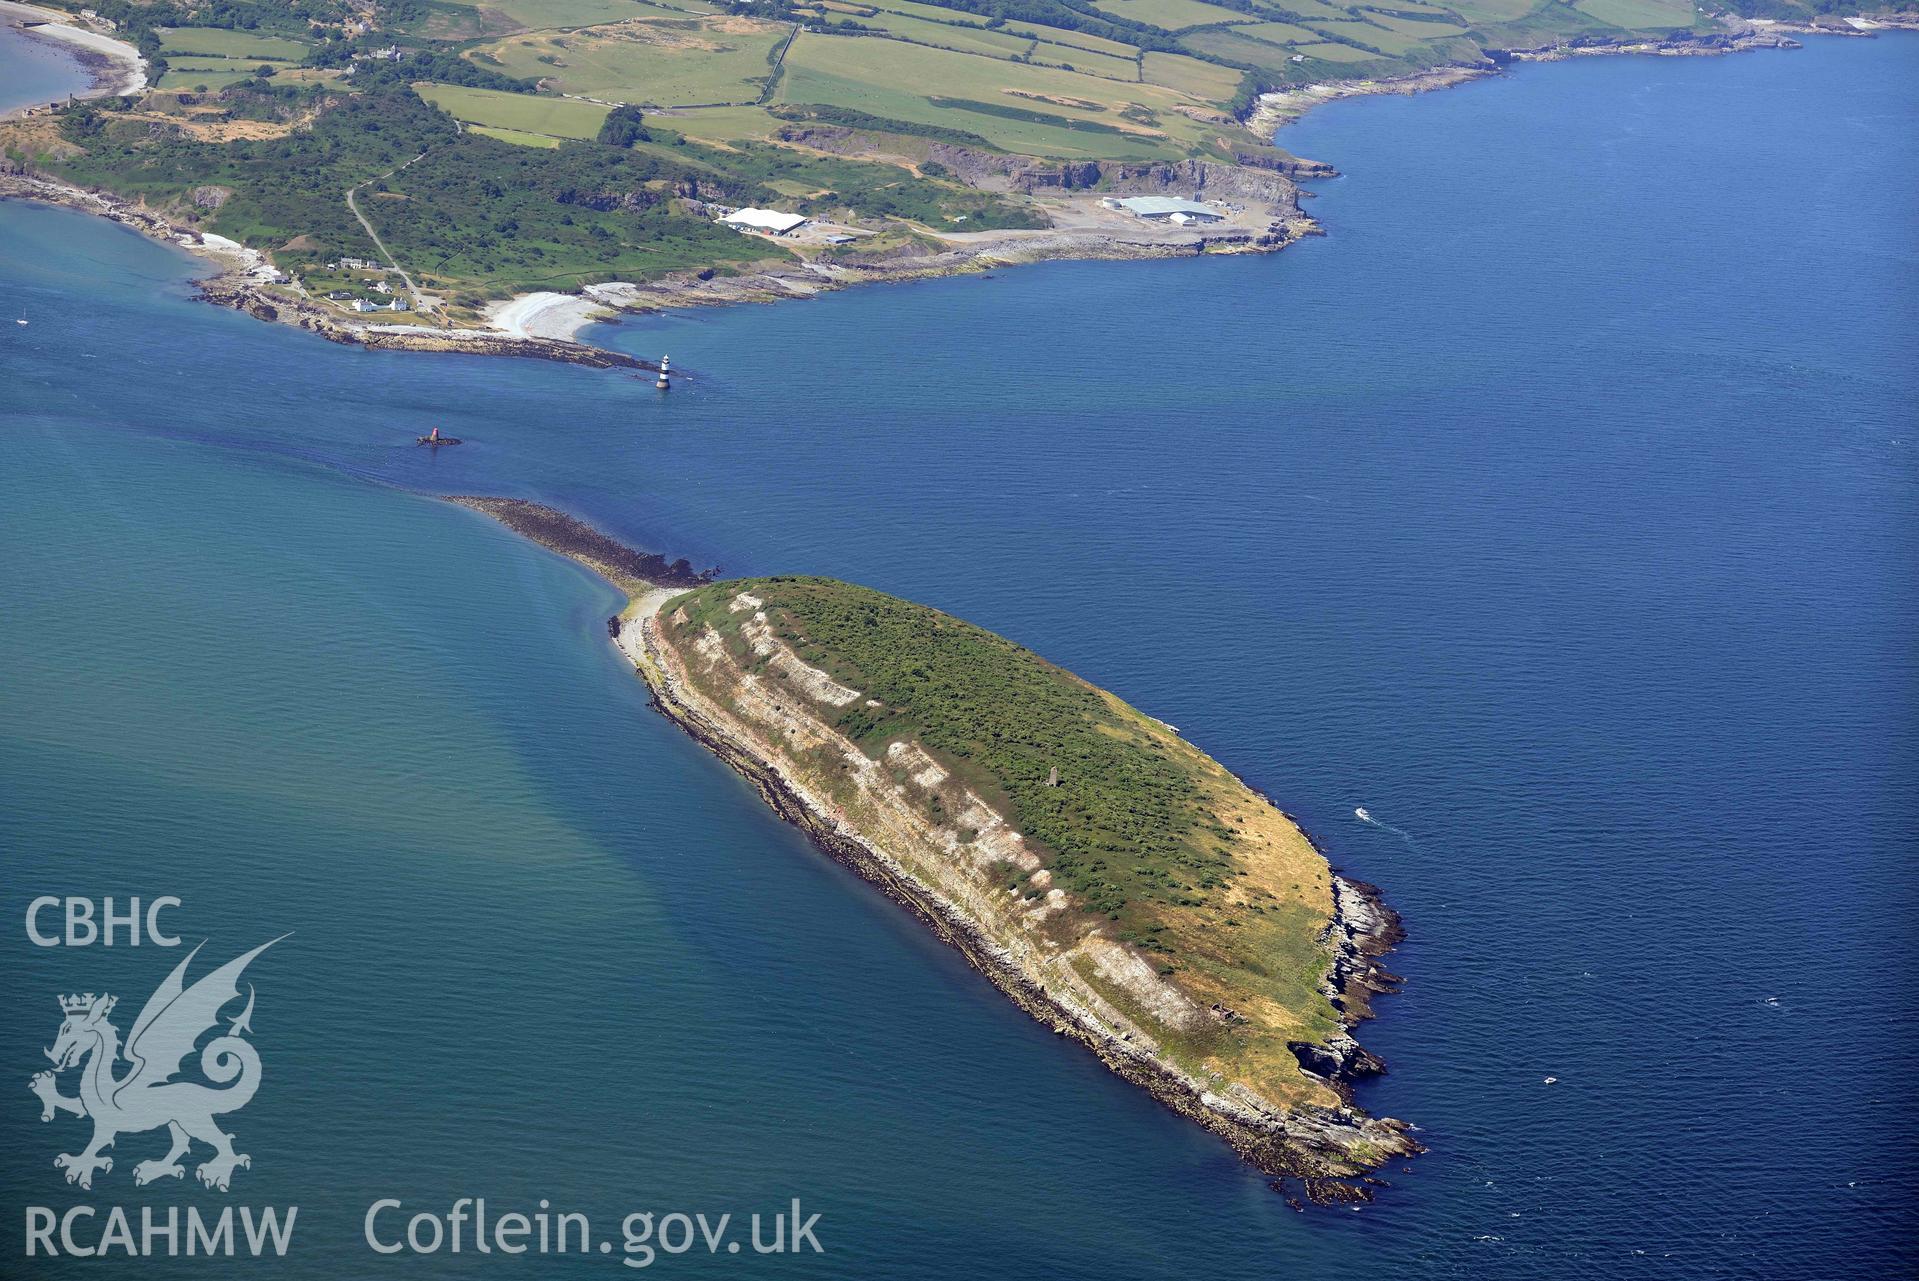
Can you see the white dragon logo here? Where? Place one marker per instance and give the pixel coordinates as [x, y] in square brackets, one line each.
[147, 1097]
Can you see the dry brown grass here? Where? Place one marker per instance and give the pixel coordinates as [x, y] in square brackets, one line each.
[35, 136]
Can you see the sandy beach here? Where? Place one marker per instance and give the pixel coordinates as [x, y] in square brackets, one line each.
[116, 66]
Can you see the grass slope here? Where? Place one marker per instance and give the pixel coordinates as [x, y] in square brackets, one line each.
[1158, 845]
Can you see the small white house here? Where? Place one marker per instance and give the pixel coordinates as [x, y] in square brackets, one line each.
[770, 221]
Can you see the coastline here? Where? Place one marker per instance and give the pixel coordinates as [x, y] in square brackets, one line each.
[1317, 1148]
[546, 324]
[560, 317]
[116, 67]
[243, 279]
[1273, 111]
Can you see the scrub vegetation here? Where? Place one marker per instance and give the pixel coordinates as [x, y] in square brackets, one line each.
[1155, 845]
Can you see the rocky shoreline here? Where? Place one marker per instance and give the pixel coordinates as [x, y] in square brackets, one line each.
[247, 282]
[1313, 1148]
[244, 280]
[1272, 111]
[556, 531]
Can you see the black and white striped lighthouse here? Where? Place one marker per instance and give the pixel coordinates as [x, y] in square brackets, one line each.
[664, 381]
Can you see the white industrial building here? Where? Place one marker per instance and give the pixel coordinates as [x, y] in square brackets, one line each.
[1167, 209]
[770, 221]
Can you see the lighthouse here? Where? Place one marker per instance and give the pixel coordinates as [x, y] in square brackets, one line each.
[664, 382]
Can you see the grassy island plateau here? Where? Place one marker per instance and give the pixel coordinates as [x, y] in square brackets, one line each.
[451, 175]
[1116, 882]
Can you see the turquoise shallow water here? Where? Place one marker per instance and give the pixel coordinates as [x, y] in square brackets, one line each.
[1559, 508]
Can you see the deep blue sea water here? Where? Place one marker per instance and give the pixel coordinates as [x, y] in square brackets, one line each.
[1559, 508]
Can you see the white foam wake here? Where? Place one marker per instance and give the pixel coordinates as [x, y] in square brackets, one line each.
[1364, 815]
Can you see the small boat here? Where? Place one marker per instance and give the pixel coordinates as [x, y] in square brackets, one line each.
[22, 320]
[434, 440]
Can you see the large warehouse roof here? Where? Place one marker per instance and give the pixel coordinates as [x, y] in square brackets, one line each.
[1159, 206]
[764, 220]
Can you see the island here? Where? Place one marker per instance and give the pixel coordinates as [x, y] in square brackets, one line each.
[491, 175]
[1118, 884]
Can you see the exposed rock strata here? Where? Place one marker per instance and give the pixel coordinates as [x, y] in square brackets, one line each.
[767, 731]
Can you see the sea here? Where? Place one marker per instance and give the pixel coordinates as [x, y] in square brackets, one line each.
[36, 71]
[1558, 509]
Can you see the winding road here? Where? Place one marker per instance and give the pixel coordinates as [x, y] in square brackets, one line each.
[353, 207]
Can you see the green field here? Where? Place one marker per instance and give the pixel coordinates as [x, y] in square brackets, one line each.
[1279, 33]
[193, 81]
[546, 15]
[721, 124]
[1171, 14]
[1073, 39]
[1150, 842]
[1242, 48]
[1491, 11]
[1204, 80]
[912, 9]
[517, 112]
[1419, 28]
[1336, 53]
[1093, 64]
[515, 137]
[236, 65]
[1310, 9]
[229, 44]
[663, 62]
[1395, 43]
[945, 35]
[1641, 15]
[838, 72]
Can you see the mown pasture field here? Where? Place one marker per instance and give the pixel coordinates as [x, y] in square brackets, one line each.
[1336, 53]
[1093, 64]
[947, 35]
[229, 44]
[193, 81]
[1641, 15]
[1418, 28]
[1025, 108]
[664, 62]
[1173, 15]
[515, 137]
[552, 15]
[516, 112]
[1205, 80]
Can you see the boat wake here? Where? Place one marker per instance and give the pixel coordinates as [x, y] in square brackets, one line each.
[1363, 815]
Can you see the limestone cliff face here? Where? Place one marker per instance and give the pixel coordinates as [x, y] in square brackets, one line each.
[1275, 1082]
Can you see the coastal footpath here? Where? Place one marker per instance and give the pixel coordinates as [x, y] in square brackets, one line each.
[1117, 884]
